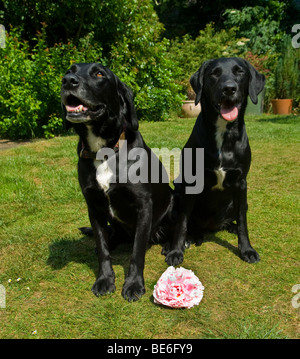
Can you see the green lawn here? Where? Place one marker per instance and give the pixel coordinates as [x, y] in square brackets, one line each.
[42, 207]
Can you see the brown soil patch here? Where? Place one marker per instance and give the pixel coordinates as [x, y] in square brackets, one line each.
[7, 144]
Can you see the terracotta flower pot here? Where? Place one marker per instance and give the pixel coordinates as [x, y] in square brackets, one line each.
[282, 106]
[189, 109]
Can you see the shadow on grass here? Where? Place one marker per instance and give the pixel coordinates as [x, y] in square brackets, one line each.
[212, 237]
[63, 251]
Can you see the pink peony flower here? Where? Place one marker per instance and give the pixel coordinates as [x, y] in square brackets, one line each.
[178, 288]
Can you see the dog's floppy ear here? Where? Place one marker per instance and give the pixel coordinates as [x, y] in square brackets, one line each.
[196, 81]
[67, 124]
[127, 106]
[256, 82]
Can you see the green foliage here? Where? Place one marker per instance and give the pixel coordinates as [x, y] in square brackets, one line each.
[260, 24]
[125, 35]
[189, 54]
[19, 108]
[30, 84]
[148, 71]
[287, 72]
[264, 25]
[139, 58]
[182, 17]
[126, 38]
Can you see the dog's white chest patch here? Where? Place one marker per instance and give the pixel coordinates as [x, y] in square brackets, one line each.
[220, 130]
[104, 174]
[219, 137]
[95, 142]
[220, 174]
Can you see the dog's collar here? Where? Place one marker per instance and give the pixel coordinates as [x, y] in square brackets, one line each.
[86, 154]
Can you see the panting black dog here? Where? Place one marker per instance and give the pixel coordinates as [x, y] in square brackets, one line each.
[222, 86]
[101, 110]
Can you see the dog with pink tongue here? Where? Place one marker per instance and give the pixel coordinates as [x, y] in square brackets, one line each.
[223, 86]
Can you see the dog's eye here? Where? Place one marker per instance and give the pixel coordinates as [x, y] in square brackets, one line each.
[238, 71]
[216, 73]
[99, 74]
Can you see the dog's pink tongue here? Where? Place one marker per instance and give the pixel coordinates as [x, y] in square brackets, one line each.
[229, 114]
[78, 108]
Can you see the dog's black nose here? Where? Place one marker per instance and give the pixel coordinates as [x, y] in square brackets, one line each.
[229, 89]
[70, 81]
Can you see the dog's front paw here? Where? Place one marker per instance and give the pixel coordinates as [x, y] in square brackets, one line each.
[174, 257]
[250, 255]
[133, 289]
[104, 285]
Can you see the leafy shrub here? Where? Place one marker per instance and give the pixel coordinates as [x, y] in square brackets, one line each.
[28, 90]
[260, 24]
[139, 58]
[150, 74]
[30, 86]
[19, 108]
[263, 26]
[31, 78]
[287, 78]
[188, 54]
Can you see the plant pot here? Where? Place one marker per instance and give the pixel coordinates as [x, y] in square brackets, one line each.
[189, 109]
[282, 106]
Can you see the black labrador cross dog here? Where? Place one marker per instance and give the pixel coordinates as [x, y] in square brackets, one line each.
[101, 110]
[222, 86]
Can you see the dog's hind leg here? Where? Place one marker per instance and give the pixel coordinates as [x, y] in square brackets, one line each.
[195, 233]
[231, 228]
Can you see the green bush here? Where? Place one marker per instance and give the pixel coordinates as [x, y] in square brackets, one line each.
[148, 71]
[259, 24]
[188, 53]
[19, 107]
[31, 80]
[139, 58]
[30, 84]
[127, 39]
[286, 83]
